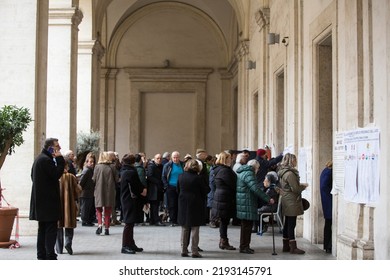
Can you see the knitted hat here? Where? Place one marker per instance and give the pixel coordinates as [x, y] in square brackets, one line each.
[261, 152]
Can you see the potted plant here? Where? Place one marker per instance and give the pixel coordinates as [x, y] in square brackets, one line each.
[13, 122]
[86, 143]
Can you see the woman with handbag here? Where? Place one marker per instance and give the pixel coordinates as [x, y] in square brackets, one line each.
[291, 198]
[105, 177]
[132, 194]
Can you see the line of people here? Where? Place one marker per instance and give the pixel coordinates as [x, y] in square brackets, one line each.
[194, 192]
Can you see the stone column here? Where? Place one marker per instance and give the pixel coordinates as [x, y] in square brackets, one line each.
[98, 52]
[107, 108]
[242, 100]
[62, 74]
[227, 112]
[266, 100]
[84, 86]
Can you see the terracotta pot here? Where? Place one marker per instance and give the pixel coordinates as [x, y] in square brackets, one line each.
[7, 218]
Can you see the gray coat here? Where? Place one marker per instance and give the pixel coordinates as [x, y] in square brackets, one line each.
[105, 177]
[291, 192]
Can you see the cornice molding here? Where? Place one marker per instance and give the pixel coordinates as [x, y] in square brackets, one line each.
[169, 74]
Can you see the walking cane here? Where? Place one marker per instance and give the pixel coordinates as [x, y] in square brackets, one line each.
[273, 234]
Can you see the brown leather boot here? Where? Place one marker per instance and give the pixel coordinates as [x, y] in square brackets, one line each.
[224, 244]
[286, 245]
[294, 249]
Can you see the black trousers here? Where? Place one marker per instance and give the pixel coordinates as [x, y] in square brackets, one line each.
[290, 223]
[328, 234]
[128, 235]
[245, 234]
[172, 198]
[87, 205]
[46, 240]
[223, 226]
[154, 217]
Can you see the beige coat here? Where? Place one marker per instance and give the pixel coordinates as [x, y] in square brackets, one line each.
[105, 177]
[69, 193]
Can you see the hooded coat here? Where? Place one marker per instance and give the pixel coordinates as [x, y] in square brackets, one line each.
[291, 191]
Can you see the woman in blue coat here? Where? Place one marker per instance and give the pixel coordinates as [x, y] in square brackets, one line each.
[326, 200]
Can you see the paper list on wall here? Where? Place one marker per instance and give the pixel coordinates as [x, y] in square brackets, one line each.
[361, 163]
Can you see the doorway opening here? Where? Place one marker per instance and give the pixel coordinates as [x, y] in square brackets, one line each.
[323, 126]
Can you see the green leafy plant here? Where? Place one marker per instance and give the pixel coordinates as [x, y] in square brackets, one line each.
[86, 143]
[13, 122]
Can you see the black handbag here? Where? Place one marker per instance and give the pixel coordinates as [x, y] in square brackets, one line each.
[305, 204]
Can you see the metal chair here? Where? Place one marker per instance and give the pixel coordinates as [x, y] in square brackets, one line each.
[276, 216]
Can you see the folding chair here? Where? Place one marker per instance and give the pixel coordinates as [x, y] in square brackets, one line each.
[277, 216]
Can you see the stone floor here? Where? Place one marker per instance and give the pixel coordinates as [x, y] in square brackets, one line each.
[163, 243]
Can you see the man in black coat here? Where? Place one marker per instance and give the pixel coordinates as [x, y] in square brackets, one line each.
[45, 203]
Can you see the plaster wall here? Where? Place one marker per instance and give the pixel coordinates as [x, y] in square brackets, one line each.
[25, 66]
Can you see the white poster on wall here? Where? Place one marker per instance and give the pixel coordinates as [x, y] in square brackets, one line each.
[361, 165]
[338, 163]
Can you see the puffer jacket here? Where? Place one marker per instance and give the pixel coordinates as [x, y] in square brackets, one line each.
[247, 193]
[224, 202]
[291, 191]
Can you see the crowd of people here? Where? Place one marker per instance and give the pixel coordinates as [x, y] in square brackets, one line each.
[220, 190]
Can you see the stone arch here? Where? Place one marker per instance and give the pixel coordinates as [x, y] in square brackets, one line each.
[191, 11]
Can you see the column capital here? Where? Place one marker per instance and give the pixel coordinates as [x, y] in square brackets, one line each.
[242, 49]
[98, 50]
[225, 74]
[77, 17]
[262, 17]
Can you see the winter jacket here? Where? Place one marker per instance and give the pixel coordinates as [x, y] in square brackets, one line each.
[105, 177]
[291, 191]
[192, 196]
[210, 195]
[86, 183]
[69, 193]
[45, 194]
[325, 189]
[224, 201]
[264, 168]
[131, 205]
[247, 193]
[270, 208]
[167, 172]
[155, 184]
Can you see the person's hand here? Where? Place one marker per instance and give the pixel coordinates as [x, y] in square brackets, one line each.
[144, 192]
[271, 201]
